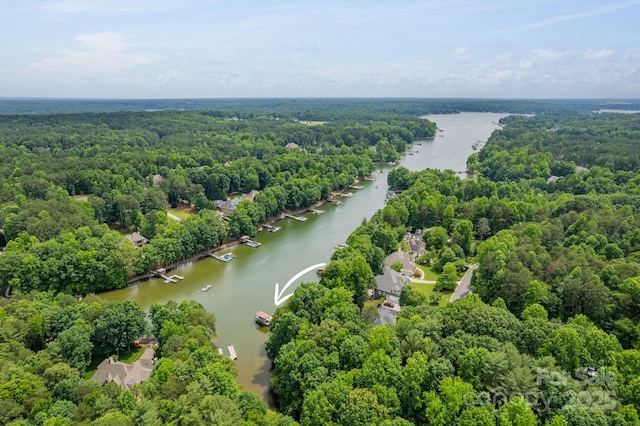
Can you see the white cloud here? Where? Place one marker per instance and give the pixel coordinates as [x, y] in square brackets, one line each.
[599, 54]
[102, 53]
[459, 51]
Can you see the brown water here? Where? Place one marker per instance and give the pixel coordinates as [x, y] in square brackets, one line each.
[246, 284]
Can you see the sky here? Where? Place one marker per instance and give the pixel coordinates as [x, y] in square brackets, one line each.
[330, 48]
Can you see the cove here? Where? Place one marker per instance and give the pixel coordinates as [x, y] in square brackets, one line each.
[246, 284]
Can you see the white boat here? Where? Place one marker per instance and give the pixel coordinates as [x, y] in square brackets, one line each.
[206, 287]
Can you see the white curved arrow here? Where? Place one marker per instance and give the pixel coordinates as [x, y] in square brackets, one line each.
[277, 297]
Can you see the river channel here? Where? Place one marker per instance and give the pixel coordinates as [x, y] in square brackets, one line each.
[245, 285]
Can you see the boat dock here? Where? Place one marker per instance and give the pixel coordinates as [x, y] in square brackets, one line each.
[347, 194]
[356, 186]
[336, 202]
[232, 352]
[160, 272]
[316, 211]
[245, 239]
[263, 318]
[272, 228]
[298, 218]
[172, 278]
[224, 258]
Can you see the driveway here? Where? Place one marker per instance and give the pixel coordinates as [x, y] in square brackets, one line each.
[464, 285]
[174, 217]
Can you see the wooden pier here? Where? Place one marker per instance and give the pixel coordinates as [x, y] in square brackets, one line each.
[298, 218]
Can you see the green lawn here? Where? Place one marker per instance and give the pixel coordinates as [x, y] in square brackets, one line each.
[429, 274]
[182, 214]
[427, 289]
[132, 356]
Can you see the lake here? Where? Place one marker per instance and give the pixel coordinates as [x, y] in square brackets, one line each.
[246, 284]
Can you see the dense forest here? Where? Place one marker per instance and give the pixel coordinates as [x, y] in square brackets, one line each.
[69, 183]
[550, 335]
[47, 344]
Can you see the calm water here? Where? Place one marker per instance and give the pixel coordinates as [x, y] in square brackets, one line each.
[246, 284]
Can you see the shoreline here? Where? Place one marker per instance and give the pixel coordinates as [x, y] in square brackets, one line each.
[235, 242]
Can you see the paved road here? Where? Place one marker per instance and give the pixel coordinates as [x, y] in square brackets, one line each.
[464, 285]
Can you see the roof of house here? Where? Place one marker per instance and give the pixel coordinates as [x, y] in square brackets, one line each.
[125, 375]
[408, 265]
[157, 179]
[136, 238]
[387, 316]
[416, 245]
[232, 203]
[391, 282]
[228, 204]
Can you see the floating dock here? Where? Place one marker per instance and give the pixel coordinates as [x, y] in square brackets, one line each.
[356, 186]
[316, 211]
[223, 258]
[347, 194]
[272, 228]
[336, 202]
[232, 352]
[220, 351]
[298, 218]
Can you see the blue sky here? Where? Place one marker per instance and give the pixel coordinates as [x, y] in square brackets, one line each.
[330, 48]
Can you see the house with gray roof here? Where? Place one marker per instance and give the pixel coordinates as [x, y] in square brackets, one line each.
[417, 247]
[408, 264]
[230, 205]
[137, 239]
[389, 285]
[125, 375]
